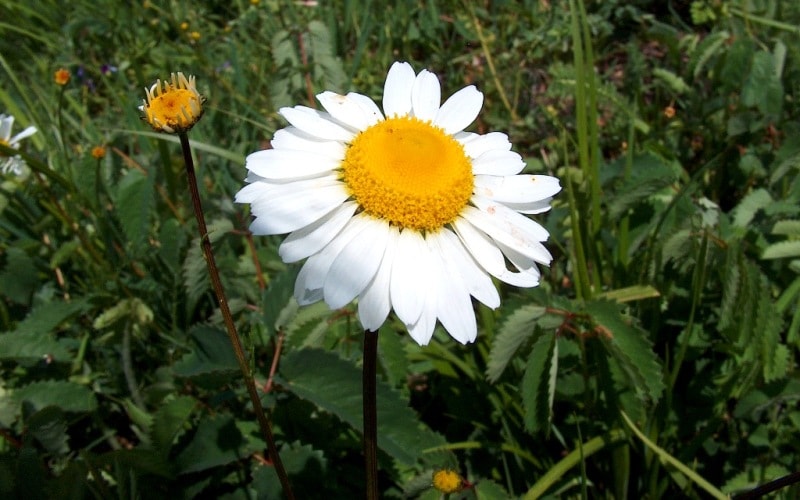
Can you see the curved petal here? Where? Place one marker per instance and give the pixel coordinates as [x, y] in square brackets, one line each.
[498, 162]
[311, 279]
[22, 135]
[348, 110]
[520, 189]
[426, 95]
[357, 263]
[311, 239]
[409, 274]
[316, 124]
[6, 122]
[293, 138]
[422, 329]
[453, 303]
[532, 208]
[289, 164]
[476, 145]
[489, 256]
[374, 303]
[288, 207]
[510, 228]
[476, 279]
[397, 90]
[460, 110]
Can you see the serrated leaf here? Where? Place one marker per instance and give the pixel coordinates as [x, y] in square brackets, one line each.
[763, 88]
[46, 317]
[773, 355]
[631, 347]
[217, 441]
[170, 420]
[305, 464]
[675, 82]
[755, 200]
[782, 250]
[706, 50]
[32, 346]
[515, 331]
[539, 383]
[67, 396]
[334, 385]
[787, 227]
[277, 303]
[212, 354]
[328, 68]
[133, 203]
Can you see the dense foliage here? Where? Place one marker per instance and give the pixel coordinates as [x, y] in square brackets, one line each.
[658, 358]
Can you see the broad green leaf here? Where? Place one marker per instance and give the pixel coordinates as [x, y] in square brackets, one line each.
[334, 385]
[787, 227]
[763, 88]
[170, 420]
[46, 317]
[217, 441]
[631, 347]
[707, 49]
[539, 383]
[67, 396]
[49, 427]
[782, 250]
[305, 465]
[755, 200]
[212, 354]
[329, 70]
[514, 332]
[138, 459]
[32, 346]
[133, 202]
[278, 304]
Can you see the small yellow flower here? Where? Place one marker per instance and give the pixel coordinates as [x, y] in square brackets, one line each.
[447, 481]
[62, 76]
[669, 111]
[98, 152]
[194, 35]
[255, 2]
[184, 26]
[173, 107]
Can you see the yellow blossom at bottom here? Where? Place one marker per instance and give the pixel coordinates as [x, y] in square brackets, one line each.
[61, 76]
[98, 152]
[447, 481]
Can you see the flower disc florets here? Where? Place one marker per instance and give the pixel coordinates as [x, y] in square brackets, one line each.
[173, 107]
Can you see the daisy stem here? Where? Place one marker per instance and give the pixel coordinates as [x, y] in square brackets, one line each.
[236, 342]
[369, 387]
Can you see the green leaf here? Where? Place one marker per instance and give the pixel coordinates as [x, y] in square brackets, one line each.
[306, 466]
[787, 227]
[335, 386]
[515, 331]
[539, 383]
[49, 427]
[755, 200]
[631, 347]
[170, 421]
[782, 250]
[18, 278]
[134, 201]
[217, 441]
[328, 68]
[68, 396]
[46, 317]
[763, 88]
[707, 49]
[138, 459]
[675, 82]
[212, 354]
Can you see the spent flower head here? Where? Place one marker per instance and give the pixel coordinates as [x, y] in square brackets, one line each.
[173, 106]
[447, 481]
[401, 209]
[12, 163]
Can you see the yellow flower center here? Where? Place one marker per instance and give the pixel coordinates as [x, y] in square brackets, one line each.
[174, 107]
[4, 143]
[447, 481]
[408, 172]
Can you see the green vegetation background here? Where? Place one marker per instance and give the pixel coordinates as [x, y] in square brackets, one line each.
[658, 358]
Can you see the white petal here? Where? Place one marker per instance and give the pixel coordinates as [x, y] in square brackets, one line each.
[509, 227]
[316, 124]
[293, 138]
[349, 110]
[476, 145]
[422, 330]
[460, 110]
[409, 275]
[489, 256]
[6, 122]
[453, 303]
[475, 278]
[311, 279]
[498, 162]
[289, 164]
[288, 207]
[426, 95]
[368, 106]
[22, 135]
[357, 263]
[535, 207]
[311, 239]
[516, 188]
[397, 90]
[374, 303]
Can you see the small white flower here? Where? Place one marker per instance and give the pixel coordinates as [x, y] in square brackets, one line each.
[402, 210]
[12, 163]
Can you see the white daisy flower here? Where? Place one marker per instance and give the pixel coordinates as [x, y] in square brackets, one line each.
[12, 163]
[402, 210]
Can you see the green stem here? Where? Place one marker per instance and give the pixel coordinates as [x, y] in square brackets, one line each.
[584, 451]
[236, 342]
[369, 387]
[765, 21]
[680, 466]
